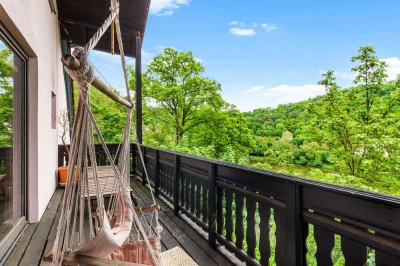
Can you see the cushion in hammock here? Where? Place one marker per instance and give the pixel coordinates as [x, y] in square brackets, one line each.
[176, 257]
[137, 252]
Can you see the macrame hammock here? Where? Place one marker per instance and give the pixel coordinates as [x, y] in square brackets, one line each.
[121, 231]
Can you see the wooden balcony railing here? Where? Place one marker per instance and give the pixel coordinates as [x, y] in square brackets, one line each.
[262, 216]
[101, 157]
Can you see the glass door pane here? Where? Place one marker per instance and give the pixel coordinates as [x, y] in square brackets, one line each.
[12, 84]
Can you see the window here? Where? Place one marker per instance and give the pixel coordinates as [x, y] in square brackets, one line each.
[13, 65]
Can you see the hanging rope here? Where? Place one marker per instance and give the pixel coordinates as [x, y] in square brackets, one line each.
[96, 37]
[83, 155]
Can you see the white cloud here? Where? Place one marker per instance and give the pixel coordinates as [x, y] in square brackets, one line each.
[244, 29]
[236, 23]
[393, 68]
[268, 27]
[261, 97]
[255, 89]
[242, 32]
[166, 7]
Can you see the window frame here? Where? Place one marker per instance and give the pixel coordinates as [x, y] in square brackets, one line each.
[9, 240]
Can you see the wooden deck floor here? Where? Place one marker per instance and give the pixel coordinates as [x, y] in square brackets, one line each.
[39, 238]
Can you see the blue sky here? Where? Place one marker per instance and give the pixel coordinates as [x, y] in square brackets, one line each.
[268, 52]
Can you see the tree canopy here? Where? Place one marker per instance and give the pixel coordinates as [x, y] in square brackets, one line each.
[174, 81]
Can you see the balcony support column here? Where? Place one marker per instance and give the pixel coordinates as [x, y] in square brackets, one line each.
[138, 76]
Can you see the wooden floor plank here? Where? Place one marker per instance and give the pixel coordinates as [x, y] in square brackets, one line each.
[34, 251]
[167, 239]
[163, 247]
[22, 244]
[182, 231]
[52, 236]
[186, 242]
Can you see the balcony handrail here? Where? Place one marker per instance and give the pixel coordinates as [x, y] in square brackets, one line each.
[375, 196]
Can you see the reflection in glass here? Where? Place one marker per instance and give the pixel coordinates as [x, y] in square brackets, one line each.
[11, 82]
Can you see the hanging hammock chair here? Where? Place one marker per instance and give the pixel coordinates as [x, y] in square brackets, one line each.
[117, 230]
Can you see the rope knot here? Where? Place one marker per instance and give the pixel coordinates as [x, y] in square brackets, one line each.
[84, 75]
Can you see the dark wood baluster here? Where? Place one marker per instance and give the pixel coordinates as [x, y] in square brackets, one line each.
[156, 175]
[354, 252]
[265, 245]
[168, 174]
[182, 192]
[165, 176]
[162, 185]
[228, 217]
[239, 220]
[153, 174]
[280, 234]
[220, 213]
[204, 209]
[192, 194]
[175, 177]
[198, 197]
[384, 259]
[172, 182]
[187, 192]
[251, 227]
[325, 242]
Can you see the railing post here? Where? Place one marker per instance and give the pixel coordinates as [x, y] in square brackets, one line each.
[294, 225]
[176, 185]
[156, 176]
[211, 205]
[144, 166]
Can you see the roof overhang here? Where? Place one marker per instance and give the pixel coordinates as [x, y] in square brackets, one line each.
[80, 19]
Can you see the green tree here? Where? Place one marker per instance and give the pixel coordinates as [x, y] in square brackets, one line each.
[175, 83]
[357, 124]
[338, 126]
[371, 74]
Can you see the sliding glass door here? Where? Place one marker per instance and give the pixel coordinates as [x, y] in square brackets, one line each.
[12, 135]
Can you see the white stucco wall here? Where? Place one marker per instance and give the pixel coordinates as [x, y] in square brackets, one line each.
[36, 29]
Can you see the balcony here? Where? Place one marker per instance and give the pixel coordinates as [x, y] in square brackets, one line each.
[222, 213]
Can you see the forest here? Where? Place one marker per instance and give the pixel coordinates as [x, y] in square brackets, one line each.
[348, 136]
